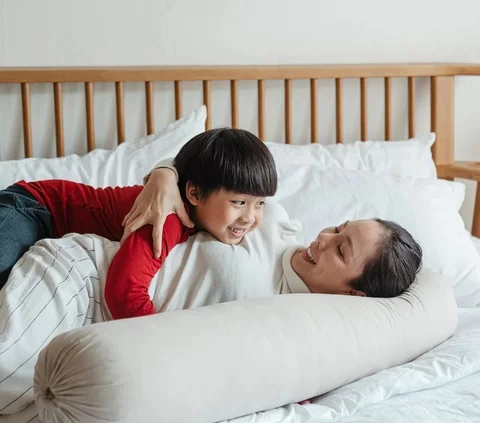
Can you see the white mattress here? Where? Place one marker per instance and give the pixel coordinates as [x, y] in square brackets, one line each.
[443, 385]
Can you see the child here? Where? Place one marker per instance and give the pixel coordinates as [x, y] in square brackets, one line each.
[224, 176]
[30, 211]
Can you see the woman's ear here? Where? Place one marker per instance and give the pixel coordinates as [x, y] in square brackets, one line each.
[357, 293]
[192, 194]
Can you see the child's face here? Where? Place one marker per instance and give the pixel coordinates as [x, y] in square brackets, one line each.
[228, 216]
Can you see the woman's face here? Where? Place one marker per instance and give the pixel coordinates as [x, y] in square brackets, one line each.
[337, 256]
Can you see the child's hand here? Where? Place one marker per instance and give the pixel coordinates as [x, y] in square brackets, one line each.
[159, 198]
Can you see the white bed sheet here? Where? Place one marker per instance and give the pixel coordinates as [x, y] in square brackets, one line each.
[442, 385]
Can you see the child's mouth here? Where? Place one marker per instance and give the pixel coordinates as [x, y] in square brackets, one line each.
[237, 232]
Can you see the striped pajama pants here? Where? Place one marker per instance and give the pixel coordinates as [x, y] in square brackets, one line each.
[55, 287]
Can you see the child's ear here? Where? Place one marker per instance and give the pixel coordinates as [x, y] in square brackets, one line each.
[192, 194]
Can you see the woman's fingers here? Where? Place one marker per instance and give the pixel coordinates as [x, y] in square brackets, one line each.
[157, 233]
[132, 226]
[182, 215]
[127, 216]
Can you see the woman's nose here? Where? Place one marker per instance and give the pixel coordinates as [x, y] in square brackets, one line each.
[323, 239]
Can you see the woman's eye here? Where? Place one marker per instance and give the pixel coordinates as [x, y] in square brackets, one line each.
[336, 230]
[340, 252]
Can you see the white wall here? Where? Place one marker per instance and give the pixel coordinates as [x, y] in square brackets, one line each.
[208, 32]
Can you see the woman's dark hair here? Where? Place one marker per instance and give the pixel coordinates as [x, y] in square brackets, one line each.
[232, 159]
[394, 266]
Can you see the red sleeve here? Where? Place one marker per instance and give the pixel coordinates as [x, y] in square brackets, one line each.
[133, 267]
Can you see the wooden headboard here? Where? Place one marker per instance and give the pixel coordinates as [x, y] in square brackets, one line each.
[442, 95]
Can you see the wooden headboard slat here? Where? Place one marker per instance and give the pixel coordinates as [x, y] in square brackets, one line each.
[58, 105]
[388, 108]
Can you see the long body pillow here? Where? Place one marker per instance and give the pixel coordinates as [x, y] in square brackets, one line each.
[227, 360]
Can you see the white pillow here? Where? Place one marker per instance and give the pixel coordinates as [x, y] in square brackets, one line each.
[227, 360]
[403, 158]
[125, 165]
[129, 162]
[427, 208]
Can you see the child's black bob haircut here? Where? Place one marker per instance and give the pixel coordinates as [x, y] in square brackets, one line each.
[231, 159]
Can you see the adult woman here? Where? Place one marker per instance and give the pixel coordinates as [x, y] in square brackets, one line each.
[396, 256]
[374, 258]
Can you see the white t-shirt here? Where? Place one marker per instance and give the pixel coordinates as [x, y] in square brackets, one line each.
[205, 271]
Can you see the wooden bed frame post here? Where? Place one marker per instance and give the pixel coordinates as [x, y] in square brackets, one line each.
[443, 118]
[442, 115]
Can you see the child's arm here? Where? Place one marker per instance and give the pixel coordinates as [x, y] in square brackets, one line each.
[133, 267]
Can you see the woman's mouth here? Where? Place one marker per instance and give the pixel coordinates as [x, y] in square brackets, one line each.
[308, 256]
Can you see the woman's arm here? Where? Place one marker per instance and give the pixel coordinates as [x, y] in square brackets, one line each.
[158, 199]
[133, 267]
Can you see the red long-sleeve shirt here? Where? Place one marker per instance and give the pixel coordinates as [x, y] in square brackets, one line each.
[83, 209]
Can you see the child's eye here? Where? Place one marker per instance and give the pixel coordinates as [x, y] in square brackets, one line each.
[239, 202]
[261, 203]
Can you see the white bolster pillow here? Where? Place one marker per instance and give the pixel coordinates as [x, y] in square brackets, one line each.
[227, 360]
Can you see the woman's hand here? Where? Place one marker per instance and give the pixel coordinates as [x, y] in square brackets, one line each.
[159, 198]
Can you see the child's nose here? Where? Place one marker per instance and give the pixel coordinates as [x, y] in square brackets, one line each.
[249, 217]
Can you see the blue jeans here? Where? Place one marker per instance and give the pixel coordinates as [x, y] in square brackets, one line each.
[23, 221]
